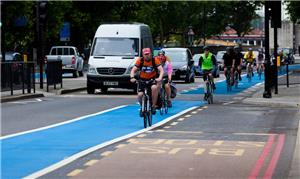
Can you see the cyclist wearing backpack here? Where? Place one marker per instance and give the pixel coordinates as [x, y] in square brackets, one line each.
[149, 68]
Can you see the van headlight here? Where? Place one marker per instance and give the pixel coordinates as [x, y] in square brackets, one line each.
[129, 69]
[183, 67]
[92, 70]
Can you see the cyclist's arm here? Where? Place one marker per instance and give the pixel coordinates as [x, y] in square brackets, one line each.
[169, 71]
[133, 71]
[200, 61]
[214, 60]
[161, 72]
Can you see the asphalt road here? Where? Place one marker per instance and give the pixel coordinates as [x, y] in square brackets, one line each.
[229, 139]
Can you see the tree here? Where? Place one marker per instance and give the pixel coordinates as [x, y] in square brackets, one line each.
[293, 8]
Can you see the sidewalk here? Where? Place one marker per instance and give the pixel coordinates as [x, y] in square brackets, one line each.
[70, 84]
[286, 97]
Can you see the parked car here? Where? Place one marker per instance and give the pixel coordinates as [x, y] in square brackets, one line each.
[182, 62]
[197, 68]
[219, 58]
[72, 61]
[12, 56]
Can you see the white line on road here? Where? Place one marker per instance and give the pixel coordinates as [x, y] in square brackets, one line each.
[228, 103]
[59, 124]
[97, 147]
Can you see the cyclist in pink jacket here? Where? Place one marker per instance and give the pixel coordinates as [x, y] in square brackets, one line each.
[167, 77]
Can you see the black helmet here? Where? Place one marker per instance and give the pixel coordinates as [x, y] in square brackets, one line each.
[229, 49]
[205, 48]
[237, 48]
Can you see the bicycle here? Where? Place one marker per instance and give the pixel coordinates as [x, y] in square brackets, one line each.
[146, 111]
[249, 73]
[259, 71]
[164, 101]
[208, 96]
[228, 79]
[236, 78]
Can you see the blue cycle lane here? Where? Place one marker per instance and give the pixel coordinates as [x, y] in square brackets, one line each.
[242, 85]
[28, 153]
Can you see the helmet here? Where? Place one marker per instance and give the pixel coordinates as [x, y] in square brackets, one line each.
[237, 48]
[205, 48]
[161, 52]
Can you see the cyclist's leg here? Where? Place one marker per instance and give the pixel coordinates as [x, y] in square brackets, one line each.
[154, 92]
[168, 91]
[212, 79]
[239, 72]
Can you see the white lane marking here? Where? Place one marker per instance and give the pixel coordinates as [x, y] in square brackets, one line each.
[59, 124]
[97, 147]
[174, 123]
[188, 115]
[183, 132]
[181, 119]
[25, 102]
[228, 103]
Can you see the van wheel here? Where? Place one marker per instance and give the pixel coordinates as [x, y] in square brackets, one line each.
[187, 79]
[104, 90]
[90, 90]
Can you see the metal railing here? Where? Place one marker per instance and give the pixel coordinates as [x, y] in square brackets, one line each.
[17, 76]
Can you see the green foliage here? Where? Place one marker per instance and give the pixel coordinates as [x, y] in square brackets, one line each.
[293, 8]
[167, 19]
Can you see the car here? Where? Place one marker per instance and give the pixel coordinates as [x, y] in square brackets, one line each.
[197, 69]
[182, 62]
[219, 58]
[12, 56]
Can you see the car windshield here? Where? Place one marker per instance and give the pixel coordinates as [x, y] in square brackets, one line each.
[116, 47]
[176, 56]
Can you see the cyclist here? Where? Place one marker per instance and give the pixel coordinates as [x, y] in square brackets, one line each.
[260, 59]
[167, 77]
[208, 63]
[238, 60]
[250, 59]
[229, 62]
[149, 68]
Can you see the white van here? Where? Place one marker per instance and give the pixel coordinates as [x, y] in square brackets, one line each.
[114, 51]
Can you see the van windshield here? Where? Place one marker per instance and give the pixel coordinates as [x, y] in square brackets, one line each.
[176, 56]
[107, 46]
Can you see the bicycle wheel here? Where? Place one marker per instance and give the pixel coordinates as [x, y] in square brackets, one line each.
[208, 92]
[236, 79]
[162, 97]
[144, 107]
[249, 74]
[228, 82]
[259, 72]
[149, 116]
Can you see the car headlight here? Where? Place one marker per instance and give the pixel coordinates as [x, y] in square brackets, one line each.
[184, 67]
[92, 70]
[129, 69]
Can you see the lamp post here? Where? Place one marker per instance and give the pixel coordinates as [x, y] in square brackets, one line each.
[191, 35]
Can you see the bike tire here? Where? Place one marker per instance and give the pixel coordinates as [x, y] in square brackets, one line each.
[149, 116]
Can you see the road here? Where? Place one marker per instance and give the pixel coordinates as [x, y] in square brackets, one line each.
[229, 139]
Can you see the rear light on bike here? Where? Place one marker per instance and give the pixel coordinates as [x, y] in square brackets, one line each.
[73, 60]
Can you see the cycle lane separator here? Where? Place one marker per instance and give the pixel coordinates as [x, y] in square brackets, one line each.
[82, 153]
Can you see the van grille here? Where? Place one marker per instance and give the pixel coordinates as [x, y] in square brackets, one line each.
[111, 71]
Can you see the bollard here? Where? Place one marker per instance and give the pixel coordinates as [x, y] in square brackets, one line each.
[287, 75]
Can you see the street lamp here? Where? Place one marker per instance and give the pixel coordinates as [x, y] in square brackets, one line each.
[191, 35]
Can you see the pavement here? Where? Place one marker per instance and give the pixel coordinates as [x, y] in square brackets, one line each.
[287, 96]
[70, 85]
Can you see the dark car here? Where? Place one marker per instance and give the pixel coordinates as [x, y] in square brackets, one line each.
[182, 63]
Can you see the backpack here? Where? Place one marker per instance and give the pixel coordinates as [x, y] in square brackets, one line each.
[153, 64]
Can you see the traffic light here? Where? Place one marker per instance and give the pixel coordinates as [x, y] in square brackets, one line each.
[275, 13]
[43, 5]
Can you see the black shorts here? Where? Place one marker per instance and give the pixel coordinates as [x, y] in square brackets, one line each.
[142, 85]
[205, 74]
